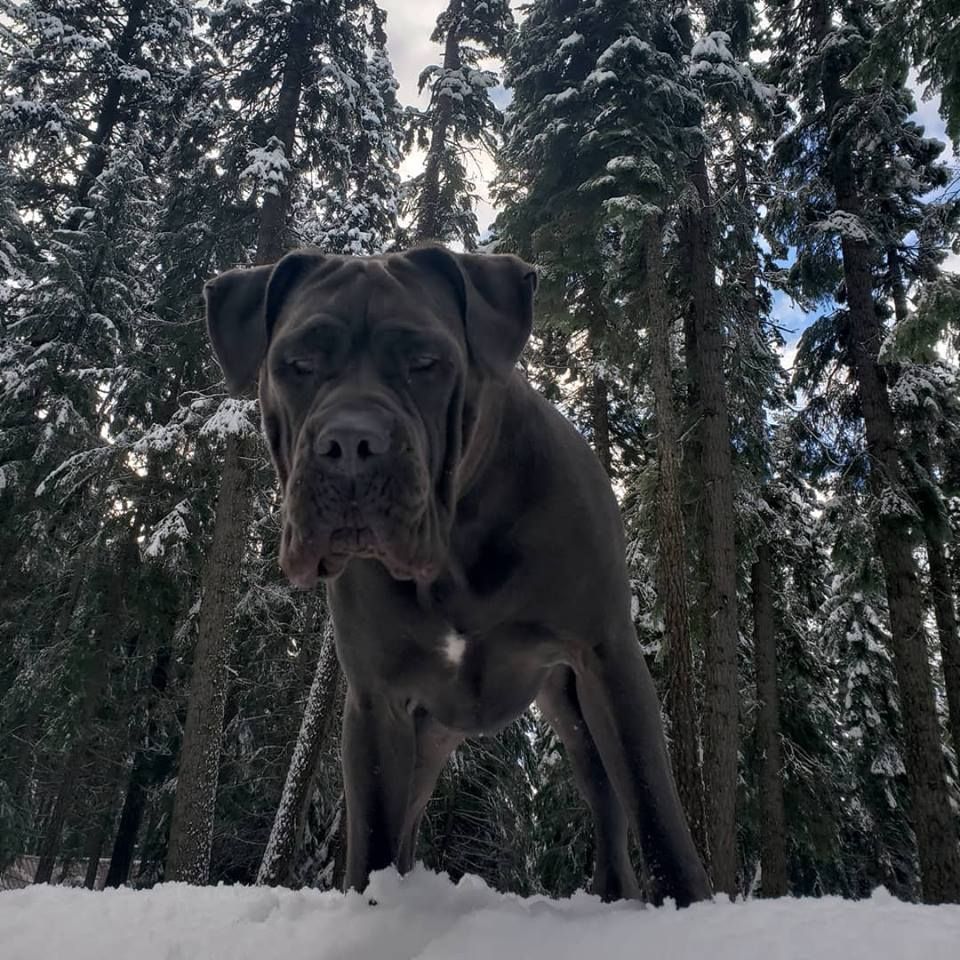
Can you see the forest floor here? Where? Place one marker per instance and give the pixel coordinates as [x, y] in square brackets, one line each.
[425, 917]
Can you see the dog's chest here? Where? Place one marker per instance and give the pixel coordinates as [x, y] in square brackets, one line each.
[477, 682]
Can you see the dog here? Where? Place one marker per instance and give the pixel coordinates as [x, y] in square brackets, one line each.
[472, 545]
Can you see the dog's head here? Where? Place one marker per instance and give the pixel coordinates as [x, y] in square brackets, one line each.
[367, 369]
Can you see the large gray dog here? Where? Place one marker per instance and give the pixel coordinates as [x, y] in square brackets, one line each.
[473, 546]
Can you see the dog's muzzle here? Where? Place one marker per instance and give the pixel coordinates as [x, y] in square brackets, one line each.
[356, 490]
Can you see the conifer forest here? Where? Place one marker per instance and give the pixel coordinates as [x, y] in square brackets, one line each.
[744, 234]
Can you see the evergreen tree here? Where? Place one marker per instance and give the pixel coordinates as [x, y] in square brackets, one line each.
[848, 136]
[460, 117]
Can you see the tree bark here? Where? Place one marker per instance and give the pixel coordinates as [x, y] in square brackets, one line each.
[50, 845]
[930, 814]
[95, 841]
[144, 770]
[191, 826]
[671, 565]
[600, 420]
[279, 858]
[430, 218]
[721, 695]
[773, 832]
[941, 588]
[92, 694]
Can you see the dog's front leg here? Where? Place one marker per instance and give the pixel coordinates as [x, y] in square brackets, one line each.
[379, 753]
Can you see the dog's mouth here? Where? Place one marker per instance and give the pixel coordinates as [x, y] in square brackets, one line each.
[305, 560]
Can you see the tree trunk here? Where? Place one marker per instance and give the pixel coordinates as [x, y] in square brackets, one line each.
[279, 858]
[144, 770]
[941, 585]
[941, 588]
[92, 694]
[671, 566]
[720, 696]
[600, 420]
[131, 814]
[430, 215]
[95, 841]
[50, 846]
[191, 826]
[931, 817]
[773, 832]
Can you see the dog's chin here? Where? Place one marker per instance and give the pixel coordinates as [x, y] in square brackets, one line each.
[308, 560]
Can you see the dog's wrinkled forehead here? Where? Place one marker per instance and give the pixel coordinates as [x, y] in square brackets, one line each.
[485, 301]
[365, 293]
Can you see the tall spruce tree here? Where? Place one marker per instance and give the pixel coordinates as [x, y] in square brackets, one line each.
[460, 118]
[848, 136]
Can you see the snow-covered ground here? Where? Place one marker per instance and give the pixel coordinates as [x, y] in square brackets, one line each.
[426, 917]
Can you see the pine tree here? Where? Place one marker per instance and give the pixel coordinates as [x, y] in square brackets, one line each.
[847, 134]
[460, 117]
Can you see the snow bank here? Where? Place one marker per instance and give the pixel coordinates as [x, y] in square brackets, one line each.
[424, 916]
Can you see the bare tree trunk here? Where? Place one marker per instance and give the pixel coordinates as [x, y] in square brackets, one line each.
[671, 566]
[430, 215]
[773, 832]
[191, 826]
[721, 695]
[279, 858]
[600, 420]
[50, 846]
[95, 841]
[92, 694]
[942, 588]
[144, 770]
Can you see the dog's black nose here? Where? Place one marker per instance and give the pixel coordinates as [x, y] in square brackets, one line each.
[350, 442]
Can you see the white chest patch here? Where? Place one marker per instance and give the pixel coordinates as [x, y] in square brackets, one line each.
[454, 647]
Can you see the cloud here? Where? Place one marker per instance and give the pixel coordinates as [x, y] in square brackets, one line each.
[788, 354]
[409, 25]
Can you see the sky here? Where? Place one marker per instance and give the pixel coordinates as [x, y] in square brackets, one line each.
[409, 25]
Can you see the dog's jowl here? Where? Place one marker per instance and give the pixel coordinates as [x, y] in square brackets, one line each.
[472, 543]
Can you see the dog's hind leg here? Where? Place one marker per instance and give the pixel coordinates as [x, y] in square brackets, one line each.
[620, 704]
[614, 877]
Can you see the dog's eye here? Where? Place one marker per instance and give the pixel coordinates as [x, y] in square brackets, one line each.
[421, 363]
[302, 366]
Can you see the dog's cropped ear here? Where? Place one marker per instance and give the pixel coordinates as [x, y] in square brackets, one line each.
[497, 294]
[242, 307]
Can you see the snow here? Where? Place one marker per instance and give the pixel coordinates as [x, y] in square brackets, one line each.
[233, 416]
[268, 165]
[425, 917]
[169, 532]
[846, 224]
